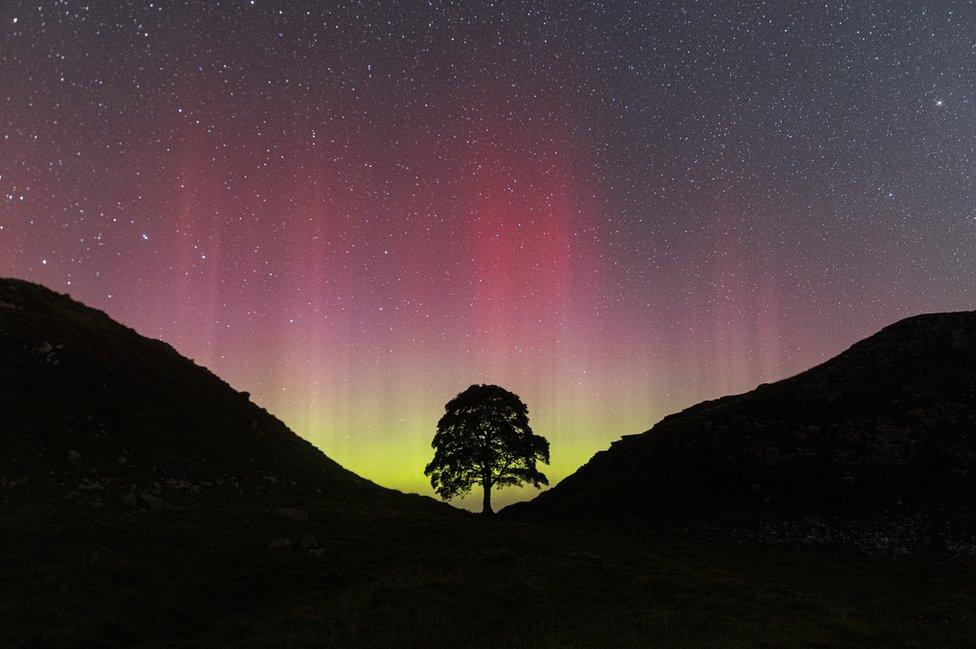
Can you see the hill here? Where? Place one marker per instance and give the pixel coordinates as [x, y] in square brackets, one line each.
[885, 429]
[145, 503]
[98, 417]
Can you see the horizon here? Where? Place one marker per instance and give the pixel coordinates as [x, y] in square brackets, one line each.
[472, 501]
[353, 213]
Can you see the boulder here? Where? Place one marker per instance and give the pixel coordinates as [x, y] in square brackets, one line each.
[292, 514]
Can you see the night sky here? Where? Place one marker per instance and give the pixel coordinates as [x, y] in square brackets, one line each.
[354, 210]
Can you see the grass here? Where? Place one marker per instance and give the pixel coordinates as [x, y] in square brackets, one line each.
[197, 579]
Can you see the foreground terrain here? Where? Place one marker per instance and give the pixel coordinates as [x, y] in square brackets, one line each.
[203, 579]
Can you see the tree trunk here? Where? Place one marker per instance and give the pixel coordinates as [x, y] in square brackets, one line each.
[486, 503]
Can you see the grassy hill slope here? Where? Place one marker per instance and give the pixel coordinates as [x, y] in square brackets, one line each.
[887, 429]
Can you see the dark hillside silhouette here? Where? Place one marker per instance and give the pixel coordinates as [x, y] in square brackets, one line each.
[886, 429]
[94, 415]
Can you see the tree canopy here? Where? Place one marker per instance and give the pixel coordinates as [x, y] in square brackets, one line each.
[484, 438]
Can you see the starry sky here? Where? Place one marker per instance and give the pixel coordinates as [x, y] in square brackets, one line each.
[354, 210]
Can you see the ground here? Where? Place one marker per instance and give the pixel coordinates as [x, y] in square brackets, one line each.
[204, 579]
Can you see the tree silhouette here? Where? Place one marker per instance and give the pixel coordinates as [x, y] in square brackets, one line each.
[484, 439]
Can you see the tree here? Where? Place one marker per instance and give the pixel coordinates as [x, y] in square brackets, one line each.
[484, 439]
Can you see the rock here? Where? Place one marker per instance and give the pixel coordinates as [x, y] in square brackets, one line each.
[74, 455]
[959, 340]
[292, 514]
[151, 502]
[89, 485]
[279, 543]
[586, 556]
[309, 541]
